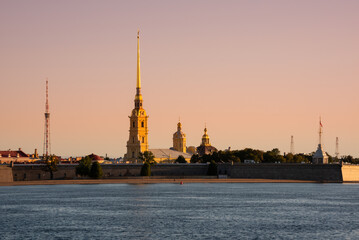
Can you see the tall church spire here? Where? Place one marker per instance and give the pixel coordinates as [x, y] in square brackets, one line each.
[138, 137]
[138, 97]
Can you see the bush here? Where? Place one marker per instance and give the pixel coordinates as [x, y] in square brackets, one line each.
[181, 159]
[96, 170]
[84, 167]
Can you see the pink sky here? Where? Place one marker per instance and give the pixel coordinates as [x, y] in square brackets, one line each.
[256, 72]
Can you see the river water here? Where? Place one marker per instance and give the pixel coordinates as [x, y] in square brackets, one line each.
[173, 211]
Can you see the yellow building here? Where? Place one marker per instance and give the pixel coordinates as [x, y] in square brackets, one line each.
[179, 139]
[205, 147]
[138, 137]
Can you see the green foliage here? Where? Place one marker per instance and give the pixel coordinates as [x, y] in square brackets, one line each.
[146, 169]
[148, 160]
[84, 167]
[195, 158]
[96, 170]
[258, 156]
[212, 169]
[273, 156]
[181, 159]
[147, 157]
[349, 159]
[51, 165]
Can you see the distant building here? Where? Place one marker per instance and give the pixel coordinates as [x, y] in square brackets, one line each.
[169, 155]
[15, 156]
[320, 157]
[96, 158]
[192, 150]
[205, 147]
[179, 139]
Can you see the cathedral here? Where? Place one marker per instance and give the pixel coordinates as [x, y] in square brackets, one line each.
[138, 134]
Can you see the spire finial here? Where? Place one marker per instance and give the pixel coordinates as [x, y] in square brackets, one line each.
[138, 86]
[320, 130]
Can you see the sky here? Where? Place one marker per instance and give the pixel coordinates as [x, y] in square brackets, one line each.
[255, 72]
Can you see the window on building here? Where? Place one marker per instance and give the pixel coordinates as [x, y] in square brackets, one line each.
[133, 139]
[133, 124]
[142, 124]
[143, 139]
[133, 154]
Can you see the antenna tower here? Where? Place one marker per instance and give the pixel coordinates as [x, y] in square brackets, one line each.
[292, 145]
[337, 148]
[47, 148]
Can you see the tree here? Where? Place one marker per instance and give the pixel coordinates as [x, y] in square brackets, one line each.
[181, 159]
[212, 169]
[148, 157]
[195, 158]
[51, 165]
[146, 169]
[273, 156]
[84, 167]
[96, 170]
[148, 160]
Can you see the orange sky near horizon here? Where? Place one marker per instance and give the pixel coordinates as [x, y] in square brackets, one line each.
[256, 72]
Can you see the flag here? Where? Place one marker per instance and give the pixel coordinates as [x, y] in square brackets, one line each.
[320, 123]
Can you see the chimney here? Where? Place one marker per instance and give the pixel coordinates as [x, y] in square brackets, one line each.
[19, 149]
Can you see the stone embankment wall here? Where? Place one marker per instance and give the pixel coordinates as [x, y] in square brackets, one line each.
[33, 172]
[321, 173]
[350, 173]
[310, 172]
[36, 172]
[6, 174]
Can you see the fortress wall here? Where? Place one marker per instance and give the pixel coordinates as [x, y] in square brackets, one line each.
[350, 173]
[36, 172]
[5, 174]
[179, 170]
[325, 172]
[132, 170]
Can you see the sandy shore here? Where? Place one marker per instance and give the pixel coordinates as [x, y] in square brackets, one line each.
[149, 181]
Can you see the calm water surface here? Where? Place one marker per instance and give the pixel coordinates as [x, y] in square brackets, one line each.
[173, 211]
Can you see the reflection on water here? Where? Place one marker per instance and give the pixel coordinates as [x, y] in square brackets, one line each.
[173, 211]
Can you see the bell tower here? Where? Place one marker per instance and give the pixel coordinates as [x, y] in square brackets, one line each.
[138, 137]
[179, 139]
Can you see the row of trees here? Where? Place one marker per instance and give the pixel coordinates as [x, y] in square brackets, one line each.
[259, 156]
[349, 159]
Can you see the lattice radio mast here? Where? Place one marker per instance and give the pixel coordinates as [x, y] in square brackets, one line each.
[47, 146]
[292, 145]
[337, 148]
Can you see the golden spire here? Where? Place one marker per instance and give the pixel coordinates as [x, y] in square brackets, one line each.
[138, 61]
[138, 97]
